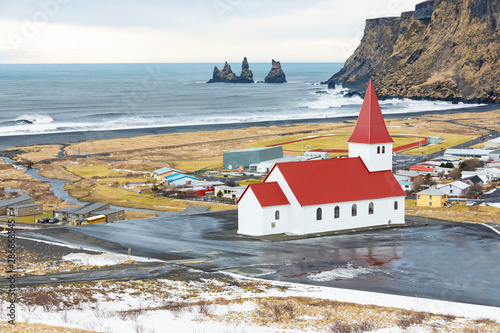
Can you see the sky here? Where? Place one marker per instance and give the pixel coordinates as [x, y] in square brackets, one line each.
[166, 31]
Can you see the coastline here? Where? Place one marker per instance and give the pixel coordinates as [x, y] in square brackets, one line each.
[71, 137]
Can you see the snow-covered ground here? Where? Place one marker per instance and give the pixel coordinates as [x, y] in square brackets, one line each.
[236, 304]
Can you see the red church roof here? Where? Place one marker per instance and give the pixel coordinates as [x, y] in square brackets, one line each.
[337, 180]
[370, 127]
[268, 194]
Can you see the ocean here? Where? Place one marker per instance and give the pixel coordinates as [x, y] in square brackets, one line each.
[45, 99]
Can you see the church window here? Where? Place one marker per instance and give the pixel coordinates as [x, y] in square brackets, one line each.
[378, 150]
[354, 210]
[370, 208]
[395, 205]
[383, 149]
[277, 215]
[336, 212]
[319, 214]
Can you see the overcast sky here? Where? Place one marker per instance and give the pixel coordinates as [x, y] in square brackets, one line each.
[124, 31]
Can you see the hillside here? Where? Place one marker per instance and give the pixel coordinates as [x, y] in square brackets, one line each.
[448, 50]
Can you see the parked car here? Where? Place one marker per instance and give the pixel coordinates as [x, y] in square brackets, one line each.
[53, 220]
[469, 203]
[44, 220]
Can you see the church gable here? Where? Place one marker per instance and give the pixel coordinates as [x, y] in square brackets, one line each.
[268, 194]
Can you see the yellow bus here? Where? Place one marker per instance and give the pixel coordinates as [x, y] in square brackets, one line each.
[94, 219]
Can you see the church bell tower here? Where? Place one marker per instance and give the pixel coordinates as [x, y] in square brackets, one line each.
[370, 139]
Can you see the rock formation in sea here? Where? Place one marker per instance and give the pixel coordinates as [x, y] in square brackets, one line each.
[447, 50]
[227, 75]
[276, 74]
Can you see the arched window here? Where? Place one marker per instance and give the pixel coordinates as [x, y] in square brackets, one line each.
[383, 149]
[354, 210]
[378, 150]
[370, 208]
[319, 214]
[277, 215]
[395, 205]
[336, 212]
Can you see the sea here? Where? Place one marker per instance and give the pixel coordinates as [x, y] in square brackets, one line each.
[57, 98]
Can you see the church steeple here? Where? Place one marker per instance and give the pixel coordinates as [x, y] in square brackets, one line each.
[370, 127]
[370, 139]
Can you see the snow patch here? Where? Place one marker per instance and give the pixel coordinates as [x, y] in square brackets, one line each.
[340, 273]
[103, 259]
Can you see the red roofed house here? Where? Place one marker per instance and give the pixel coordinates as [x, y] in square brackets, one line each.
[327, 195]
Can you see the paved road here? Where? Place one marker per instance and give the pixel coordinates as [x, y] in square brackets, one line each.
[449, 261]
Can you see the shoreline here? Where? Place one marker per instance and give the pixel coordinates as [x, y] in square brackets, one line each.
[25, 140]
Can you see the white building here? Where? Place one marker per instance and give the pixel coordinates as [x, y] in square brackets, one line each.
[327, 195]
[493, 143]
[455, 189]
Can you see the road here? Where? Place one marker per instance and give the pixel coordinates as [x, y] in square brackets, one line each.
[447, 261]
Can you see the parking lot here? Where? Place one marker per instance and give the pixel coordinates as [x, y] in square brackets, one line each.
[450, 261]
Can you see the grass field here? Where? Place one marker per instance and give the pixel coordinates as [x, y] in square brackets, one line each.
[458, 212]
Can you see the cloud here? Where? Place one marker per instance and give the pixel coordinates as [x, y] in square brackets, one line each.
[186, 31]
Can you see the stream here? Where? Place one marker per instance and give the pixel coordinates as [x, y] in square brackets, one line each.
[57, 187]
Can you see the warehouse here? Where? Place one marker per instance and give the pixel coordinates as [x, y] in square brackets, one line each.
[243, 158]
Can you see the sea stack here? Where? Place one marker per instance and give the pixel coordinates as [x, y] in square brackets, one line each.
[276, 75]
[227, 75]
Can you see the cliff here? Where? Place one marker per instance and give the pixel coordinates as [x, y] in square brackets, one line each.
[447, 50]
[276, 74]
[227, 75]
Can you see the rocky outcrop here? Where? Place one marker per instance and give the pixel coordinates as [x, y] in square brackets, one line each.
[227, 75]
[447, 50]
[276, 75]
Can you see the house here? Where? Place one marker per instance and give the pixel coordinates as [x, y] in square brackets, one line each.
[80, 213]
[179, 179]
[205, 187]
[495, 155]
[431, 198]
[406, 185]
[160, 174]
[493, 143]
[310, 155]
[14, 201]
[334, 194]
[245, 157]
[483, 154]
[25, 209]
[229, 192]
[411, 174]
[473, 180]
[455, 189]
[266, 166]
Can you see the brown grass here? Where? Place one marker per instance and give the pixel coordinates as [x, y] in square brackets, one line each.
[457, 212]
[24, 327]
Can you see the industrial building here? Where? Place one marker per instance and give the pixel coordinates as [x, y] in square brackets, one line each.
[238, 159]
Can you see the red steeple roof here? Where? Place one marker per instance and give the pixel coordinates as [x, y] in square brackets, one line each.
[370, 127]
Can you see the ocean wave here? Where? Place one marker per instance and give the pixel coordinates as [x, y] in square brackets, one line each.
[37, 119]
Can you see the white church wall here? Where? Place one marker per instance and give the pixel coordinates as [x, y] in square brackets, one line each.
[383, 211]
[376, 157]
[271, 225]
[396, 216]
[297, 214]
[250, 215]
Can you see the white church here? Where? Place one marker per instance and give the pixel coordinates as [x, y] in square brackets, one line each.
[328, 195]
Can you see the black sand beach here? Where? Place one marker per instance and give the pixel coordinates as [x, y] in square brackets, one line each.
[67, 137]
